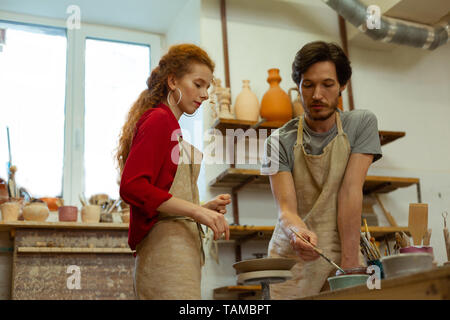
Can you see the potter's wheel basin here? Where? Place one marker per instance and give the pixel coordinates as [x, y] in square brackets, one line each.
[264, 264]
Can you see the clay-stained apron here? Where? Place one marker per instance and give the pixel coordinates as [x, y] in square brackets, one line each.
[169, 259]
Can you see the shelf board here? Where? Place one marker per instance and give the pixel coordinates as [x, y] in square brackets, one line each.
[243, 233]
[9, 225]
[237, 178]
[72, 250]
[223, 124]
[236, 292]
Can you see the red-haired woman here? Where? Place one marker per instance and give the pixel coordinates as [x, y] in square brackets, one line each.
[159, 172]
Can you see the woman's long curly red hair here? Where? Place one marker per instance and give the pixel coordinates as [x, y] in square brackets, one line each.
[176, 61]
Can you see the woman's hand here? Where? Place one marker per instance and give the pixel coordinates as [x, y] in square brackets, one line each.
[211, 218]
[219, 203]
[214, 220]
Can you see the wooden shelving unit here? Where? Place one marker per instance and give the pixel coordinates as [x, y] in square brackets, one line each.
[241, 234]
[238, 178]
[223, 124]
[11, 225]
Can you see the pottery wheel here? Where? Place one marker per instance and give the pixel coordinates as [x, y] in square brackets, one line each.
[264, 278]
[270, 276]
[264, 264]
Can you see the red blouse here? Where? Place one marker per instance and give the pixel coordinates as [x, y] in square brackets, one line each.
[149, 169]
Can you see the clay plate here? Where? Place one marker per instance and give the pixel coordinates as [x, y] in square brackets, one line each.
[264, 264]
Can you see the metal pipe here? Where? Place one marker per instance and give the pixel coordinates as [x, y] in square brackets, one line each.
[394, 30]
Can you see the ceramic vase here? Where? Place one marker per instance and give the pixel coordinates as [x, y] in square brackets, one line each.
[275, 104]
[341, 104]
[36, 211]
[10, 211]
[246, 106]
[297, 107]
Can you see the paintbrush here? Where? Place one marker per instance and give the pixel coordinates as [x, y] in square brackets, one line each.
[319, 251]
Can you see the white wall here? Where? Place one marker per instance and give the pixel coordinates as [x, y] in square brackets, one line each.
[407, 88]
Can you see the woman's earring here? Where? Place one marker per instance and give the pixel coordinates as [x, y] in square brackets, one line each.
[179, 99]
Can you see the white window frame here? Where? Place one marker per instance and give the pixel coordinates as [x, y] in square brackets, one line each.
[73, 167]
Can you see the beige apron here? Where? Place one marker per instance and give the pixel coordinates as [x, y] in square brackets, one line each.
[317, 180]
[169, 259]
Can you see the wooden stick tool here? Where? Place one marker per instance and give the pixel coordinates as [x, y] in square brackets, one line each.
[319, 251]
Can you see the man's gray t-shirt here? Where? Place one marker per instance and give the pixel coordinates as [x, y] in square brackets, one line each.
[360, 126]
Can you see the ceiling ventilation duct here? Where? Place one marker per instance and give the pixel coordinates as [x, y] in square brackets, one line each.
[393, 30]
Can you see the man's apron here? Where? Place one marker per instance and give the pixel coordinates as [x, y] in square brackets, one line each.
[169, 259]
[317, 180]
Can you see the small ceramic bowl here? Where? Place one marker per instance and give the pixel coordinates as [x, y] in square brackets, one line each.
[68, 213]
[358, 270]
[414, 249]
[347, 281]
[35, 211]
[406, 263]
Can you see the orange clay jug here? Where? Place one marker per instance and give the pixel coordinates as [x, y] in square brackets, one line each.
[275, 104]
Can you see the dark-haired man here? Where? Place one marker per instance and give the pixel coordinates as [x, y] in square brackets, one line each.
[321, 161]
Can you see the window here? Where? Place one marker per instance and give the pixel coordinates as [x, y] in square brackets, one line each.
[64, 95]
[32, 105]
[115, 75]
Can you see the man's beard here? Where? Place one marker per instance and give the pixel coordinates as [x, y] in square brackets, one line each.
[325, 116]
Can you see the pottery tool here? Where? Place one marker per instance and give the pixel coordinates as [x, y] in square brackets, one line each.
[406, 240]
[426, 238]
[319, 251]
[369, 247]
[446, 235]
[366, 250]
[387, 245]
[114, 205]
[367, 230]
[9, 149]
[374, 245]
[418, 221]
[82, 200]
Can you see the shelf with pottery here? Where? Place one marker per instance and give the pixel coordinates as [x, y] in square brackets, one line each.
[72, 250]
[246, 233]
[222, 124]
[237, 178]
[11, 225]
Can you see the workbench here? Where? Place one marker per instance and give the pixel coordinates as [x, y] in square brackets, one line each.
[428, 285]
[70, 260]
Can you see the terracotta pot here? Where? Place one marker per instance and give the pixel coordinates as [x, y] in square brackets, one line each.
[91, 213]
[53, 203]
[276, 104]
[341, 104]
[4, 195]
[68, 213]
[36, 211]
[246, 106]
[10, 211]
